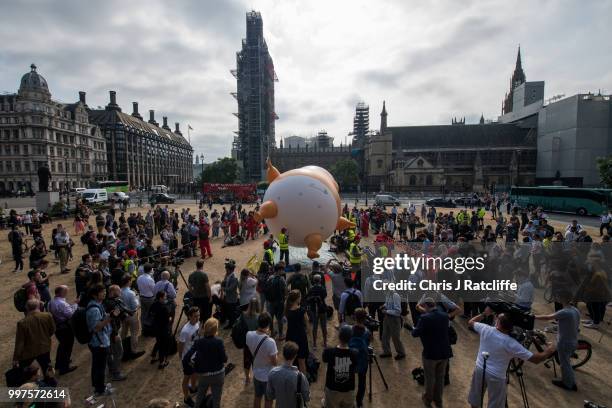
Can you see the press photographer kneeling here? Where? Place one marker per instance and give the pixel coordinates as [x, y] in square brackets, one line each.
[496, 350]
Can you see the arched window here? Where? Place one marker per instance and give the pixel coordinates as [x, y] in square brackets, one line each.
[420, 163]
[428, 180]
[412, 180]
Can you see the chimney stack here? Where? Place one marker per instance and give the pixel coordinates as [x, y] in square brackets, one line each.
[152, 117]
[135, 110]
[112, 105]
[165, 126]
[82, 97]
[176, 128]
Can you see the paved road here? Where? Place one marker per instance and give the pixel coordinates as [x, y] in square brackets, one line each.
[25, 203]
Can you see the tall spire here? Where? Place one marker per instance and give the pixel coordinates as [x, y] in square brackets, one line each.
[383, 119]
[518, 59]
[518, 77]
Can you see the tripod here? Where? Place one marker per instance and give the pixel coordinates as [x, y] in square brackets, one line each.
[372, 357]
[518, 371]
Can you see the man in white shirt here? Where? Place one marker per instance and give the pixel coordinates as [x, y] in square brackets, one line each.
[264, 352]
[188, 335]
[499, 348]
[574, 224]
[146, 286]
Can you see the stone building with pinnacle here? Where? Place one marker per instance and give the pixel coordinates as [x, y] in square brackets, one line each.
[37, 131]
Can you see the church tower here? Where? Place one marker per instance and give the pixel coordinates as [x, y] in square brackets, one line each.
[383, 119]
[518, 78]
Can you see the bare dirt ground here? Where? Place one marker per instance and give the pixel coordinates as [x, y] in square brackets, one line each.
[145, 381]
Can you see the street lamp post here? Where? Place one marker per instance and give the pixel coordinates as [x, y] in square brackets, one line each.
[518, 167]
[202, 175]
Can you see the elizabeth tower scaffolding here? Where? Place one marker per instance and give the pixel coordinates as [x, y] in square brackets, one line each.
[255, 79]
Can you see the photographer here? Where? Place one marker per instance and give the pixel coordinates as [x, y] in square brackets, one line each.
[496, 343]
[568, 320]
[392, 325]
[200, 291]
[432, 328]
[115, 354]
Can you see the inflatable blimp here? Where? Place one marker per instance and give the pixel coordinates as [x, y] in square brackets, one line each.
[306, 201]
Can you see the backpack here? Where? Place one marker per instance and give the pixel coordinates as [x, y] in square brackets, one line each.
[360, 344]
[352, 303]
[84, 238]
[316, 304]
[239, 331]
[20, 298]
[273, 289]
[78, 321]
[300, 282]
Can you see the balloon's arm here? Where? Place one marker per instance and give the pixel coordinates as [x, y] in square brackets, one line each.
[267, 210]
[343, 224]
[272, 172]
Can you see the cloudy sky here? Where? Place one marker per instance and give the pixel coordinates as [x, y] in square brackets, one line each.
[430, 60]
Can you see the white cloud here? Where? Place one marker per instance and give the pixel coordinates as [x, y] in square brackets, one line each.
[429, 60]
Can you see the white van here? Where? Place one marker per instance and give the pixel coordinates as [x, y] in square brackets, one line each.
[95, 195]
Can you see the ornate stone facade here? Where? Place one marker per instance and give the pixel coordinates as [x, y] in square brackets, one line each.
[36, 130]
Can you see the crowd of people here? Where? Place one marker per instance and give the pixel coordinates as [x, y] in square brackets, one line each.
[127, 286]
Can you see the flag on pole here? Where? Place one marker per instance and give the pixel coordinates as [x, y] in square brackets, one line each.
[189, 127]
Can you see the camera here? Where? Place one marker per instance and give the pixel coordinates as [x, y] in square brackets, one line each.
[177, 261]
[187, 302]
[371, 324]
[519, 317]
[116, 303]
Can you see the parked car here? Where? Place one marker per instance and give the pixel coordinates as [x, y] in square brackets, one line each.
[161, 198]
[386, 199]
[440, 202]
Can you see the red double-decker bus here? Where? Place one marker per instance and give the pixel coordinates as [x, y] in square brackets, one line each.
[230, 193]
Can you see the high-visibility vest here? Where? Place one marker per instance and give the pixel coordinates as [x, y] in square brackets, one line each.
[283, 241]
[350, 235]
[269, 256]
[354, 254]
[383, 251]
[460, 217]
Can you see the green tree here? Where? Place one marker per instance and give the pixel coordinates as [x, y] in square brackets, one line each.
[346, 172]
[223, 170]
[604, 164]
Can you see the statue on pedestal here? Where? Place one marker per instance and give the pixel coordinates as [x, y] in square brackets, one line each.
[44, 175]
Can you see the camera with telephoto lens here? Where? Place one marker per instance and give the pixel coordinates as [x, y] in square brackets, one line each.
[371, 324]
[117, 303]
[518, 317]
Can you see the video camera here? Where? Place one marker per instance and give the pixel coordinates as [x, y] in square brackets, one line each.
[519, 317]
[177, 261]
[372, 324]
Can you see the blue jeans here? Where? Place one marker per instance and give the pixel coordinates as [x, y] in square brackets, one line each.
[565, 351]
